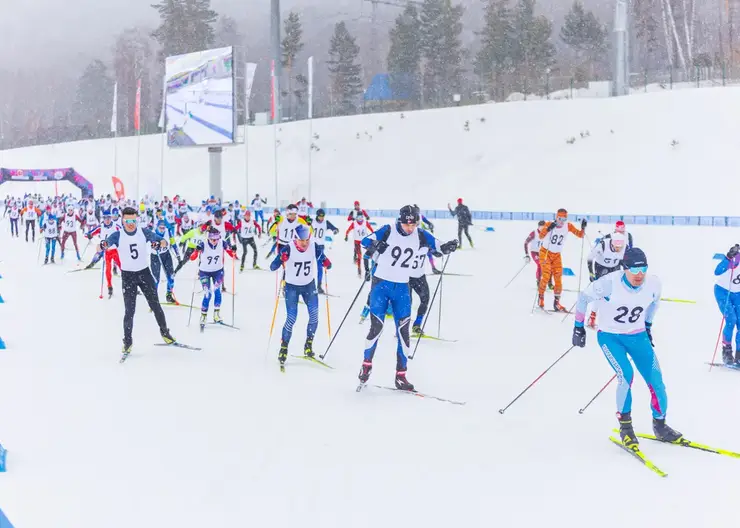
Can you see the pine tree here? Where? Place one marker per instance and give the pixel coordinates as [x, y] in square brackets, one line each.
[495, 58]
[132, 60]
[94, 99]
[404, 56]
[533, 54]
[583, 33]
[345, 73]
[291, 46]
[441, 49]
[185, 26]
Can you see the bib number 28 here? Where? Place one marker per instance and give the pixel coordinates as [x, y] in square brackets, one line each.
[631, 315]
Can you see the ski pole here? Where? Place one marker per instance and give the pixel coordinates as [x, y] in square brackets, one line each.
[102, 278]
[84, 251]
[328, 313]
[322, 356]
[517, 274]
[439, 315]
[581, 411]
[722, 323]
[274, 316]
[192, 300]
[502, 411]
[233, 287]
[434, 295]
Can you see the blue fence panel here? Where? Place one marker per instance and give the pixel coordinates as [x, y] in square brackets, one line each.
[680, 220]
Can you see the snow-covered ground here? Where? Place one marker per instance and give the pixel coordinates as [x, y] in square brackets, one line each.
[518, 159]
[221, 438]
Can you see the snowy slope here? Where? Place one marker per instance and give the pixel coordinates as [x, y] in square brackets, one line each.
[220, 438]
[517, 160]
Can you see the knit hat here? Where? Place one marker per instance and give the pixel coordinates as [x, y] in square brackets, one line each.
[634, 257]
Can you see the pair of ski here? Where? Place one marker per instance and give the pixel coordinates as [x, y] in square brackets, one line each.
[175, 344]
[730, 366]
[413, 392]
[217, 323]
[550, 312]
[433, 338]
[309, 359]
[683, 442]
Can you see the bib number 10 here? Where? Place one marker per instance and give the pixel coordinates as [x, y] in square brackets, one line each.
[632, 315]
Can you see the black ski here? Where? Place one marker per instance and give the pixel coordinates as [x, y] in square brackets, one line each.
[221, 323]
[178, 345]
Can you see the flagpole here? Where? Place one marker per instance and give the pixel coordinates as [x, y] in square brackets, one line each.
[310, 125]
[114, 129]
[163, 126]
[137, 126]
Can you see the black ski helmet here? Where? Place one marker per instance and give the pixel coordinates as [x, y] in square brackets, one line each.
[408, 215]
[320, 212]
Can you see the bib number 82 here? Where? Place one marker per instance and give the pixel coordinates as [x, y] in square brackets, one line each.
[634, 314]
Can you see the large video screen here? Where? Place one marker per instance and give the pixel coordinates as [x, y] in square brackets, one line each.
[199, 100]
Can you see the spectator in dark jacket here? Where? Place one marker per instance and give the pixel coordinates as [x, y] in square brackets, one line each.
[464, 220]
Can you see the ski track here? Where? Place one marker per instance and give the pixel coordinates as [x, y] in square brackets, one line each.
[221, 438]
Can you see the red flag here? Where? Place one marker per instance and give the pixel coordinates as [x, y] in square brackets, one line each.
[118, 188]
[137, 108]
[272, 95]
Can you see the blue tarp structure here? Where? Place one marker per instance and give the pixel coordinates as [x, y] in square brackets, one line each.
[383, 88]
[4, 522]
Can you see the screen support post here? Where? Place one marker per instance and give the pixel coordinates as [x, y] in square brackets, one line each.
[214, 164]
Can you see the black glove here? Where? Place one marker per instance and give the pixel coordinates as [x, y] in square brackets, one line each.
[648, 326]
[103, 245]
[552, 226]
[381, 246]
[437, 254]
[733, 252]
[233, 247]
[583, 224]
[579, 336]
[449, 247]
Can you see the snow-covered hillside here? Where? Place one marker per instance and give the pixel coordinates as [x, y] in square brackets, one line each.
[502, 157]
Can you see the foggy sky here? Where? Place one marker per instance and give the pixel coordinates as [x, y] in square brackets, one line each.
[69, 33]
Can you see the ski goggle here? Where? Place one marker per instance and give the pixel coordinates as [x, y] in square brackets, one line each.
[214, 236]
[638, 269]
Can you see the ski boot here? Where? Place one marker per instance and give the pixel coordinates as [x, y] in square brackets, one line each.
[592, 320]
[367, 368]
[556, 306]
[416, 331]
[126, 350]
[217, 315]
[46, 261]
[283, 354]
[256, 267]
[727, 354]
[308, 348]
[167, 337]
[365, 314]
[541, 301]
[663, 432]
[52, 260]
[737, 359]
[437, 272]
[203, 316]
[401, 382]
[61, 257]
[223, 288]
[359, 273]
[115, 271]
[320, 290]
[626, 432]
[241, 269]
[367, 275]
[78, 258]
[110, 291]
[170, 298]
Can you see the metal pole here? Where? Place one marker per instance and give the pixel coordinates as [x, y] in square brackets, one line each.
[276, 55]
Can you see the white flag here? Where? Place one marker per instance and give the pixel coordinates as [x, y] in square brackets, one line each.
[310, 87]
[164, 103]
[251, 69]
[114, 115]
